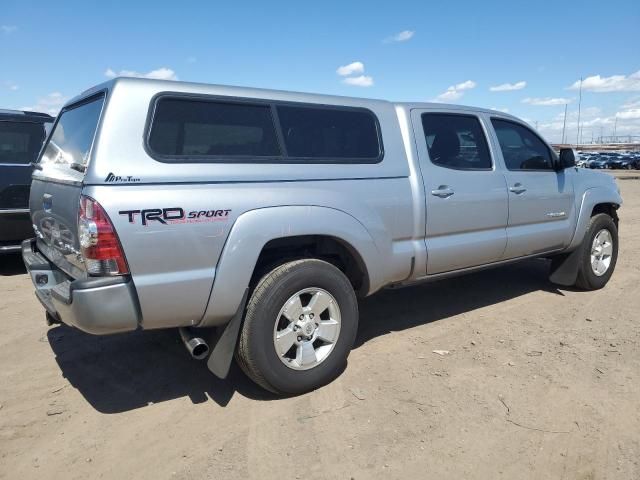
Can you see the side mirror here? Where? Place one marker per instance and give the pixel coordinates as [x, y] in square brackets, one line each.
[567, 159]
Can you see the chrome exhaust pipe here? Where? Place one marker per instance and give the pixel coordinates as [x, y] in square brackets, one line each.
[197, 347]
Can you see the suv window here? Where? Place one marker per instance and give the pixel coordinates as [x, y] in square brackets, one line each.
[20, 142]
[330, 133]
[521, 148]
[72, 137]
[201, 128]
[456, 141]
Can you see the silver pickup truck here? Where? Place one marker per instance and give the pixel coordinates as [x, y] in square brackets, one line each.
[253, 219]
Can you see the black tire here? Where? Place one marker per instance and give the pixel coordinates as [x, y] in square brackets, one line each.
[256, 353]
[587, 279]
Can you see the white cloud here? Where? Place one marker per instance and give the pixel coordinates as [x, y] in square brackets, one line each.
[50, 104]
[614, 83]
[454, 92]
[630, 110]
[633, 102]
[631, 114]
[402, 36]
[469, 84]
[547, 101]
[162, 73]
[11, 86]
[350, 69]
[508, 87]
[593, 123]
[353, 69]
[588, 113]
[360, 81]
[8, 29]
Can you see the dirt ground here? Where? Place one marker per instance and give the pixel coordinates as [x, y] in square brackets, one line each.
[539, 383]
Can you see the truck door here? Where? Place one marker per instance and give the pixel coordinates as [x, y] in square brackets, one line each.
[542, 213]
[466, 195]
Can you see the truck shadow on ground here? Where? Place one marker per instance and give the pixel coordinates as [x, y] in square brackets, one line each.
[124, 372]
[11, 264]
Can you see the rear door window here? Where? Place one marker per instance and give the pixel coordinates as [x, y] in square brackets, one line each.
[72, 137]
[193, 130]
[456, 141]
[20, 142]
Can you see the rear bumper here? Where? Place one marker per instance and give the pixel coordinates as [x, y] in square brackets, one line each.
[100, 305]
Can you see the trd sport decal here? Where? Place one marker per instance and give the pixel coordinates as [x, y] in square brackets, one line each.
[173, 215]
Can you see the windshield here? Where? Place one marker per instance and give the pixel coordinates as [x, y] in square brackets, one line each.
[20, 142]
[72, 137]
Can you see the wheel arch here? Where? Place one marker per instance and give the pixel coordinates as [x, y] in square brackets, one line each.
[595, 200]
[565, 268]
[258, 233]
[334, 250]
[608, 208]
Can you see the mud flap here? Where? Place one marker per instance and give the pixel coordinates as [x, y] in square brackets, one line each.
[221, 356]
[564, 268]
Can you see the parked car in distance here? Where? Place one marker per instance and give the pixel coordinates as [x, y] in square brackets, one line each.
[21, 137]
[625, 162]
[599, 163]
[253, 219]
[582, 163]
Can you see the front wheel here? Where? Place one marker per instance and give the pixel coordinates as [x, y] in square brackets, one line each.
[600, 253]
[299, 327]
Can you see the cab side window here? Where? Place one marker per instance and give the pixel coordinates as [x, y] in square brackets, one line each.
[521, 148]
[456, 141]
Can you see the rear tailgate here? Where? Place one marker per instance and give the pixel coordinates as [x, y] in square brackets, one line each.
[57, 184]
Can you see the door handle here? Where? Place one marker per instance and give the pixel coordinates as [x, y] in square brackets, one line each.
[517, 189]
[443, 191]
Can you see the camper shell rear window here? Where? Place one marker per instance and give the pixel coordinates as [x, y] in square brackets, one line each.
[72, 137]
[205, 129]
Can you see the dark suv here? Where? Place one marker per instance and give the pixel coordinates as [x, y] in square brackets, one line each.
[21, 137]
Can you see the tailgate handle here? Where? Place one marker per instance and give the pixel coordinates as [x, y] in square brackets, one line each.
[47, 202]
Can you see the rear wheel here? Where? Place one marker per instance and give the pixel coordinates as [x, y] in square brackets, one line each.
[600, 253]
[299, 327]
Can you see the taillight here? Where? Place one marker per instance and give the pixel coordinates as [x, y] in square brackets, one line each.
[99, 243]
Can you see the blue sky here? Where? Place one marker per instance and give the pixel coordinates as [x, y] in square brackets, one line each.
[414, 50]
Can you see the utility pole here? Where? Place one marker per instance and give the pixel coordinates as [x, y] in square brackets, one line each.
[580, 132]
[615, 127]
[579, 106]
[564, 122]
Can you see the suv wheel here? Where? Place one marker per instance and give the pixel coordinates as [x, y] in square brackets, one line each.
[600, 253]
[299, 327]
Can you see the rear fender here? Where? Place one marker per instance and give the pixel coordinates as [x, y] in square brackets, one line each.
[253, 229]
